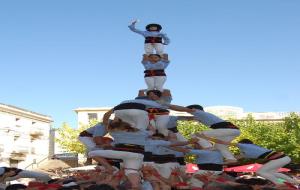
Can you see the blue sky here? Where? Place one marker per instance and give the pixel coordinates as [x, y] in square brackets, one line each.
[56, 56]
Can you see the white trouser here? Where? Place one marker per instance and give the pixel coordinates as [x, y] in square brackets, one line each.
[270, 170]
[87, 142]
[165, 169]
[132, 161]
[136, 118]
[149, 47]
[161, 122]
[30, 174]
[224, 135]
[194, 182]
[155, 82]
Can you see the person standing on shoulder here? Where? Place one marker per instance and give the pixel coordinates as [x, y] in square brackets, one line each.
[155, 65]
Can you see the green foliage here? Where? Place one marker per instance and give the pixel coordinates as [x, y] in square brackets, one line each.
[187, 128]
[278, 135]
[67, 137]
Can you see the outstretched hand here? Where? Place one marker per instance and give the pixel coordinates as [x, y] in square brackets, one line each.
[134, 21]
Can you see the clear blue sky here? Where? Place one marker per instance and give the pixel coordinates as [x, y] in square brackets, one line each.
[56, 55]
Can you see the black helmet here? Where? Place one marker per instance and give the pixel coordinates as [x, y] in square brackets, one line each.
[153, 24]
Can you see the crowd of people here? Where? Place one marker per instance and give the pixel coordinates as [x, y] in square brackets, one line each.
[145, 150]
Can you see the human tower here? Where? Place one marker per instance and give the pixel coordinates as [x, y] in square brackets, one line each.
[146, 141]
[146, 135]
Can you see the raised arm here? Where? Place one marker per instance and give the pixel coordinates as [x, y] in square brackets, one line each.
[141, 93]
[200, 135]
[145, 59]
[133, 29]
[166, 93]
[180, 108]
[106, 117]
[165, 58]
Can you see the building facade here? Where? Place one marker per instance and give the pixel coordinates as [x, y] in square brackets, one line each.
[84, 115]
[24, 137]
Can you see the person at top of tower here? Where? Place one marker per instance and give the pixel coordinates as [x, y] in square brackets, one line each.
[155, 66]
[154, 39]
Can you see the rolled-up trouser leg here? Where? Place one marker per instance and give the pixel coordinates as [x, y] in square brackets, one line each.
[225, 135]
[166, 168]
[161, 122]
[87, 142]
[269, 170]
[132, 161]
[135, 117]
[205, 144]
[159, 82]
[39, 176]
[148, 48]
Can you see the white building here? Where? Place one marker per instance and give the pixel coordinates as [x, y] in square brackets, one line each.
[84, 115]
[24, 136]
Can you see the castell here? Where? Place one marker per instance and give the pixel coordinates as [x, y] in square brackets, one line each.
[146, 138]
[138, 146]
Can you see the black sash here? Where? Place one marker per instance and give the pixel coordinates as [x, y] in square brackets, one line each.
[150, 73]
[126, 106]
[85, 134]
[272, 155]
[158, 111]
[210, 167]
[180, 160]
[151, 39]
[129, 148]
[162, 159]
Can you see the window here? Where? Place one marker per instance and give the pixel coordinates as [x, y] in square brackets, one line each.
[92, 116]
[13, 163]
[16, 137]
[33, 150]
